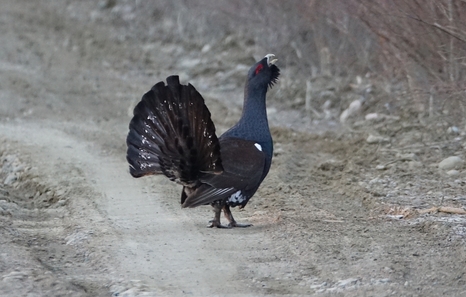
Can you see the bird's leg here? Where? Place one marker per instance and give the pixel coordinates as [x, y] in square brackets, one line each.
[216, 221]
[229, 216]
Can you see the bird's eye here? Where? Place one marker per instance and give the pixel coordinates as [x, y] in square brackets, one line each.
[259, 68]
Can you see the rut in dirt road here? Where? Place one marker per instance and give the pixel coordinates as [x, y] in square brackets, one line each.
[152, 241]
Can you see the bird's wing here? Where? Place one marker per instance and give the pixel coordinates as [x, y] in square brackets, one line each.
[172, 133]
[206, 194]
[243, 163]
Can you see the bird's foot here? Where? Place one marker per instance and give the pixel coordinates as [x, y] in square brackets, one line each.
[229, 217]
[216, 224]
[239, 225]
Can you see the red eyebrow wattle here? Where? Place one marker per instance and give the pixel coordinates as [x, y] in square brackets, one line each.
[259, 68]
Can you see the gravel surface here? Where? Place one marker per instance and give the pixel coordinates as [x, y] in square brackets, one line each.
[370, 207]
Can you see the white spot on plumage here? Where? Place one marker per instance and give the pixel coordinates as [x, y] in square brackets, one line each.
[258, 146]
[237, 197]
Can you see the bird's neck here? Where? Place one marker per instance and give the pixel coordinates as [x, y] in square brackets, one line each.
[253, 124]
[254, 109]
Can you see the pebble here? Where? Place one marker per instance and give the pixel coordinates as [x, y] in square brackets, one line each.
[395, 217]
[62, 202]
[381, 167]
[327, 104]
[453, 172]
[371, 116]
[453, 130]
[407, 157]
[452, 162]
[376, 139]
[380, 281]
[353, 108]
[347, 282]
[384, 281]
[206, 48]
[315, 287]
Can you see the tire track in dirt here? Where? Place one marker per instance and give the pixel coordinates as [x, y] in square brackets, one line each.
[159, 248]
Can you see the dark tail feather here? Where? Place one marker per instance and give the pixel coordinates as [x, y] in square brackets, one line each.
[172, 133]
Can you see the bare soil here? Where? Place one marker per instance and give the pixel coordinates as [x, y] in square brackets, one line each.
[327, 220]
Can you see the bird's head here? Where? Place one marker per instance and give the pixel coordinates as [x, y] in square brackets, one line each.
[264, 73]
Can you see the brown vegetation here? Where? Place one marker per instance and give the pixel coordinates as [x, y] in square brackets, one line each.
[416, 49]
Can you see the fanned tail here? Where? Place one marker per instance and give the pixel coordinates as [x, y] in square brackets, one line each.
[172, 133]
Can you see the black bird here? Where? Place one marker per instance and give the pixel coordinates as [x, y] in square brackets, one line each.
[172, 133]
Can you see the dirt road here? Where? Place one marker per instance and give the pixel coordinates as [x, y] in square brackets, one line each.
[125, 227]
[74, 223]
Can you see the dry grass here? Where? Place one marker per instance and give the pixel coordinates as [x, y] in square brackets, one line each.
[416, 49]
[423, 43]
